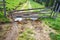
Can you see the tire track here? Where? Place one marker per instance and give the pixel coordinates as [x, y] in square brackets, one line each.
[13, 33]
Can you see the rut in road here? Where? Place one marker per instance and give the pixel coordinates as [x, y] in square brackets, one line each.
[13, 33]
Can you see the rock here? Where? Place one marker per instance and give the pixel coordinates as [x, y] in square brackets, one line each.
[34, 18]
[18, 19]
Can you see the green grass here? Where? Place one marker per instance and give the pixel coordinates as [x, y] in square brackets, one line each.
[26, 35]
[3, 18]
[53, 23]
[13, 3]
[36, 5]
[54, 36]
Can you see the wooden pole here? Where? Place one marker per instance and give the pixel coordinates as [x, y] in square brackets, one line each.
[4, 8]
[52, 14]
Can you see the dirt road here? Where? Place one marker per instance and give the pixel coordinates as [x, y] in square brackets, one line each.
[40, 30]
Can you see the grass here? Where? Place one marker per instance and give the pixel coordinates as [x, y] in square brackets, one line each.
[36, 5]
[25, 6]
[53, 23]
[3, 19]
[54, 36]
[26, 35]
[12, 4]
